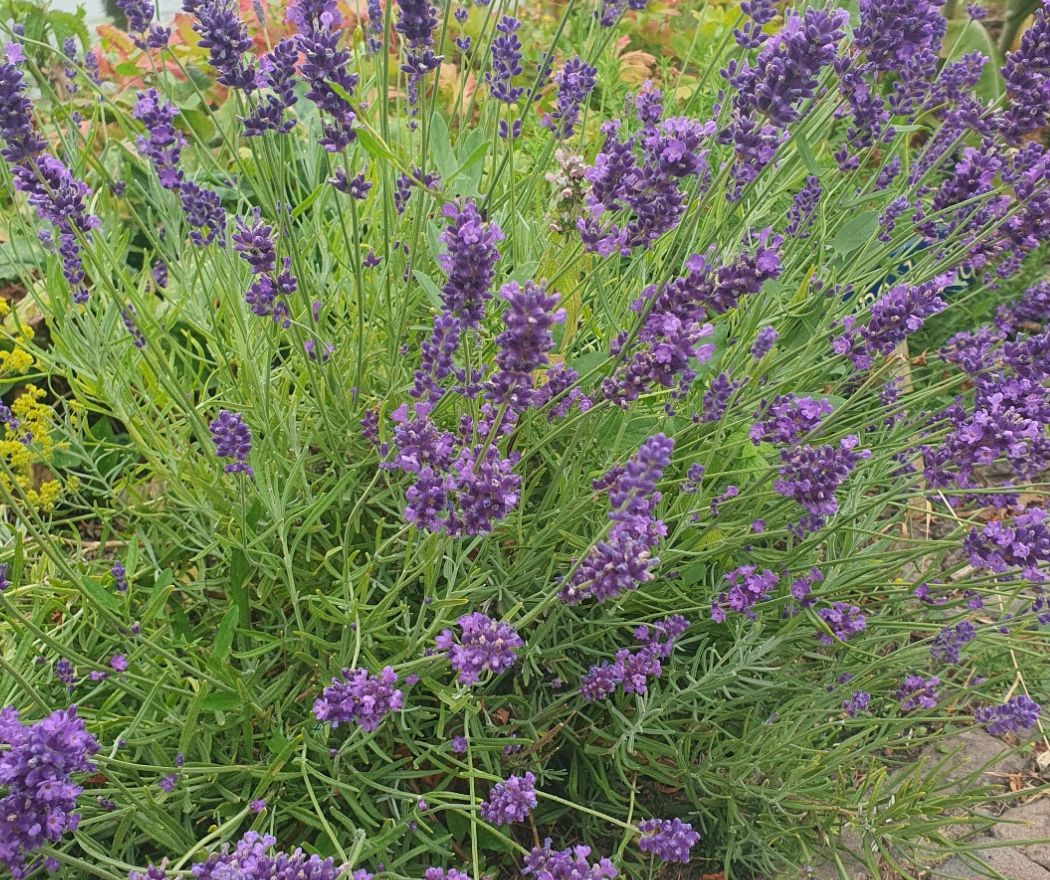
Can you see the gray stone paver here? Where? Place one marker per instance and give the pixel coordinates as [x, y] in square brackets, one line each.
[1004, 848]
[1033, 821]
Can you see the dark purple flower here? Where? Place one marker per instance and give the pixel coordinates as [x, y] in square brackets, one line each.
[483, 645]
[622, 561]
[469, 261]
[544, 863]
[716, 398]
[789, 418]
[60, 199]
[747, 587]
[226, 38]
[575, 83]
[1016, 714]
[894, 317]
[437, 352]
[759, 12]
[356, 187]
[948, 643]
[248, 859]
[917, 692]
[770, 91]
[506, 61]
[277, 71]
[144, 33]
[325, 68]
[254, 241]
[668, 839]
[416, 22]
[1027, 75]
[523, 346]
[232, 440]
[36, 768]
[442, 874]
[633, 669]
[127, 316]
[1025, 544]
[844, 621]
[355, 696]
[857, 703]
[764, 341]
[65, 673]
[803, 206]
[16, 117]
[893, 31]
[811, 475]
[204, 213]
[510, 801]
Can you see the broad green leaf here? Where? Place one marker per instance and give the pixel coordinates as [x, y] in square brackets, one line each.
[855, 233]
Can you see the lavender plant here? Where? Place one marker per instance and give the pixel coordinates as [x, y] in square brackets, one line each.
[464, 463]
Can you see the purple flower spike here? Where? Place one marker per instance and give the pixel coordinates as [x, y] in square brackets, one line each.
[442, 874]
[232, 440]
[249, 859]
[469, 261]
[669, 839]
[918, 692]
[544, 863]
[575, 83]
[36, 767]
[484, 645]
[812, 474]
[226, 38]
[1016, 714]
[510, 801]
[623, 560]
[355, 696]
[523, 346]
[747, 587]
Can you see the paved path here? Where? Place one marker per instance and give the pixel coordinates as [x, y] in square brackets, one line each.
[1003, 847]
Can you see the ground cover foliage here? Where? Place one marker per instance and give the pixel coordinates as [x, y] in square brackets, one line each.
[484, 440]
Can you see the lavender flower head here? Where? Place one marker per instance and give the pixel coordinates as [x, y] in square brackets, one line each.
[442, 874]
[469, 261]
[523, 346]
[575, 83]
[789, 419]
[484, 645]
[1025, 544]
[844, 621]
[892, 32]
[506, 61]
[232, 440]
[16, 117]
[764, 341]
[669, 839]
[544, 863]
[249, 859]
[1027, 76]
[812, 474]
[36, 768]
[510, 801]
[1016, 714]
[747, 587]
[918, 692]
[623, 560]
[356, 696]
[226, 38]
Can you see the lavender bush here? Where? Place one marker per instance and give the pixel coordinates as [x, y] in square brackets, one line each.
[430, 455]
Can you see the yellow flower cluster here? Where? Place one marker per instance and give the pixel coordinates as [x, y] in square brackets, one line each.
[15, 362]
[26, 442]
